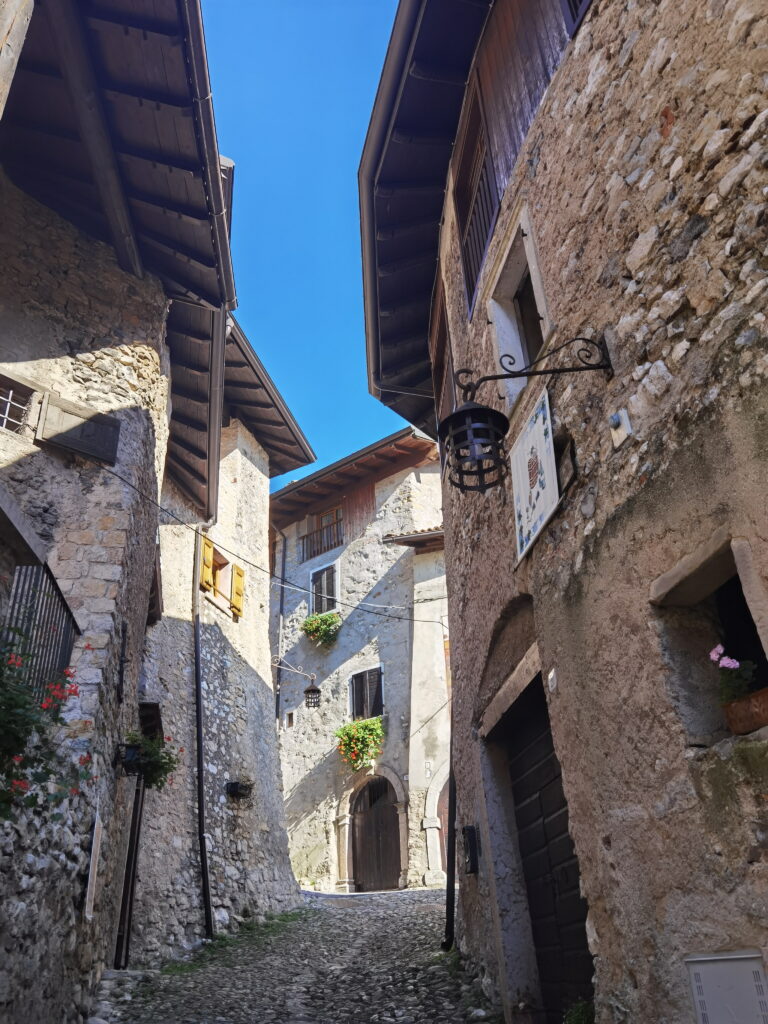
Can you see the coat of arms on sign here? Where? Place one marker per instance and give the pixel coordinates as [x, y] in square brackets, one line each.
[534, 475]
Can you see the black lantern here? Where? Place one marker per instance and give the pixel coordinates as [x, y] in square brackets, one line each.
[312, 695]
[473, 438]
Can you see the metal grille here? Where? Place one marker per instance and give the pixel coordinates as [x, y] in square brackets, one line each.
[324, 539]
[480, 221]
[14, 402]
[39, 625]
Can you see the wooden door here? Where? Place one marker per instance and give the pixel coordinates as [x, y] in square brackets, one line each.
[123, 944]
[550, 867]
[375, 838]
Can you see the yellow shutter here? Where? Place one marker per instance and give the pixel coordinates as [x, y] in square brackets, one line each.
[238, 591]
[206, 567]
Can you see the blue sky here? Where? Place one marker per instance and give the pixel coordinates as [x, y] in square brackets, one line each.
[293, 86]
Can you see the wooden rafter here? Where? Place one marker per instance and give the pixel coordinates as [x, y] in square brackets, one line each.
[68, 33]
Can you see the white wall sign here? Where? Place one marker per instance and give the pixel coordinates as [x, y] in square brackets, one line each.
[534, 476]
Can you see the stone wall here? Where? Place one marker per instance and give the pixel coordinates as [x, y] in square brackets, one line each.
[644, 177]
[247, 848]
[75, 324]
[318, 786]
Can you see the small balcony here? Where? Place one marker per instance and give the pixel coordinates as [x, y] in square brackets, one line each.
[324, 539]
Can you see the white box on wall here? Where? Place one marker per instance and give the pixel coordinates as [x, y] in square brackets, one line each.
[729, 988]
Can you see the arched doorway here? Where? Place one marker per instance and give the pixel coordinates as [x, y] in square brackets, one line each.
[375, 837]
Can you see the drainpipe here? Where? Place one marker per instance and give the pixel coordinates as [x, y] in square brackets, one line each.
[450, 855]
[199, 735]
[279, 673]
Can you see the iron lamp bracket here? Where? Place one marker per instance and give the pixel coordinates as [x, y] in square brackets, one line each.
[590, 353]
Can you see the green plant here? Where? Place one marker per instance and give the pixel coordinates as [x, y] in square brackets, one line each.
[736, 677]
[580, 1012]
[360, 742]
[323, 628]
[33, 770]
[153, 760]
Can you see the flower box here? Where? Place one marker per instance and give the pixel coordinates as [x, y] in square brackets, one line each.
[747, 714]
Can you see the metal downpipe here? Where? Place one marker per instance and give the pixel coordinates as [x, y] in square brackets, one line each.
[201, 835]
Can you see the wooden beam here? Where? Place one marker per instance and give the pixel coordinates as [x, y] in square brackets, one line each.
[15, 16]
[414, 139]
[396, 266]
[68, 33]
[188, 421]
[250, 403]
[189, 334]
[389, 189]
[174, 249]
[435, 73]
[410, 305]
[175, 166]
[406, 228]
[185, 466]
[192, 449]
[176, 104]
[179, 210]
[120, 20]
[188, 396]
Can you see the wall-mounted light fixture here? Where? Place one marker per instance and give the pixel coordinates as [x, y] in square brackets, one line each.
[312, 695]
[473, 435]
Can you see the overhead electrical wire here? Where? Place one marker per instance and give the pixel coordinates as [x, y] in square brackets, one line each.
[280, 580]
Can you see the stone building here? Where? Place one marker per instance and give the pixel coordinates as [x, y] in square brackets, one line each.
[120, 387]
[596, 171]
[363, 538]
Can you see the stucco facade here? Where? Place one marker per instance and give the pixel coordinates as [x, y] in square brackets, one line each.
[637, 201]
[381, 586]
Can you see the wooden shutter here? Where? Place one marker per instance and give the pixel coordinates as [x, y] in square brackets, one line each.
[78, 429]
[358, 695]
[374, 703]
[237, 596]
[330, 588]
[476, 195]
[206, 565]
[323, 590]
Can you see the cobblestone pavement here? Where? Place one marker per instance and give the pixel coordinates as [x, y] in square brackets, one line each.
[362, 958]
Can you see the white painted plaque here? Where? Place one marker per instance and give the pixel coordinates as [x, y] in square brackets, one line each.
[534, 476]
[94, 866]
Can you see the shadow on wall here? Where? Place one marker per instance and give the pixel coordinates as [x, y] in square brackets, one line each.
[97, 536]
[249, 869]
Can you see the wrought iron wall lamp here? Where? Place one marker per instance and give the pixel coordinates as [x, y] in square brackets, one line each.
[473, 435]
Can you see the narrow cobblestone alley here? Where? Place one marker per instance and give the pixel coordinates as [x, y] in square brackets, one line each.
[354, 958]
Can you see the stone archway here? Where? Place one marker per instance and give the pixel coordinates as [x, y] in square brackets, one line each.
[432, 825]
[346, 881]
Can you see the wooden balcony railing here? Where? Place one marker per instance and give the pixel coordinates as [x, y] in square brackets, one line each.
[315, 543]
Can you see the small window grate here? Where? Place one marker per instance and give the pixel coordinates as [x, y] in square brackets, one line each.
[14, 406]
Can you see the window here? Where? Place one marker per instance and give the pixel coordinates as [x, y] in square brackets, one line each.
[222, 581]
[573, 14]
[713, 596]
[517, 309]
[323, 587]
[366, 694]
[325, 533]
[475, 192]
[14, 404]
[289, 720]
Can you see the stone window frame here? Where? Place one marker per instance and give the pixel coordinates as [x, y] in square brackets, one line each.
[518, 256]
[335, 564]
[679, 592]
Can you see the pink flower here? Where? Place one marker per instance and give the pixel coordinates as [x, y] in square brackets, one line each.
[729, 663]
[716, 653]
